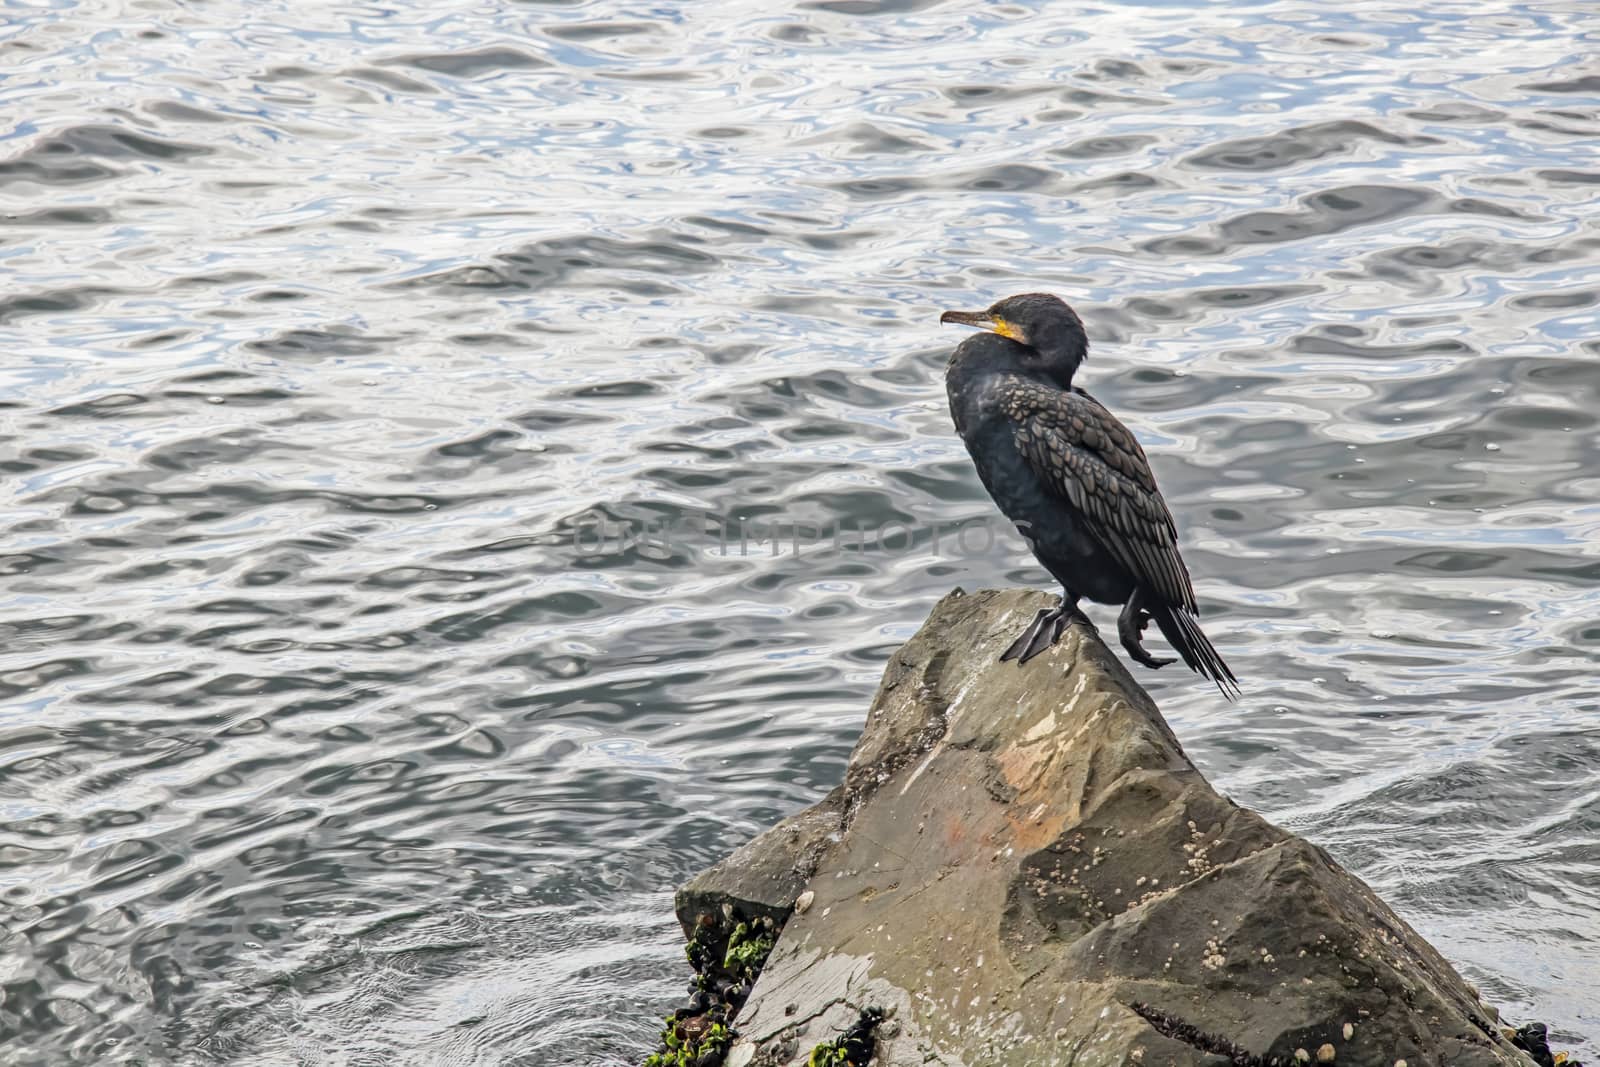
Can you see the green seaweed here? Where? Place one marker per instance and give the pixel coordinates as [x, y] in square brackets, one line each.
[726, 965]
[746, 955]
[828, 1054]
[681, 1052]
[854, 1047]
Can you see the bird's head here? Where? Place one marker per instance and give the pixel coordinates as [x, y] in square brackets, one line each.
[1037, 321]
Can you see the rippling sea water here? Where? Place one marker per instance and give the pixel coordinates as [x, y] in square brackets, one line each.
[332, 331]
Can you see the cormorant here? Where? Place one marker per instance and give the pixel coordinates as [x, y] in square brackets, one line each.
[1073, 479]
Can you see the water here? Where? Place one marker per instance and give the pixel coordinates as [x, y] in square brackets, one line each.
[329, 736]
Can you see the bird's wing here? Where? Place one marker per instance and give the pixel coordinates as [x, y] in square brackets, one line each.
[1094, 463]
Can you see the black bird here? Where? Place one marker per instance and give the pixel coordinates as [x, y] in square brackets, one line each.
[1073, 479]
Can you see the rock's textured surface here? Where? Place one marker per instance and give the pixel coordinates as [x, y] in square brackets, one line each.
[763, 877]
[1023, 869]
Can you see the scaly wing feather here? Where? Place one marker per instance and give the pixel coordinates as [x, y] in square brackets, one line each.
[1093, 462]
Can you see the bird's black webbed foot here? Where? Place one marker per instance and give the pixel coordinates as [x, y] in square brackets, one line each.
[1130, 627]
[1045, 630]
[1025, 642]
[1050, 627]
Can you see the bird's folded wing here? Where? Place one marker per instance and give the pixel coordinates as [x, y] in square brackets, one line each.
[1094, 463]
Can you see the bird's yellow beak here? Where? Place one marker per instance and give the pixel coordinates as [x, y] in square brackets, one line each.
[983, 321]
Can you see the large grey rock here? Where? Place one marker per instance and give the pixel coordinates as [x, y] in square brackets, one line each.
[1024, 869]
[762, 878]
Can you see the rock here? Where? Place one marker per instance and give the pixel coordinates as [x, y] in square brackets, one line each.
[1022, 868]
[764, 877]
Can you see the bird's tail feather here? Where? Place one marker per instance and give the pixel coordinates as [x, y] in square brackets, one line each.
[1182, 631]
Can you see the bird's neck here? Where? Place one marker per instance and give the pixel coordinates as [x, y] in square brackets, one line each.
[1059, 366]
[978, 379]
[1052, 367]
[985, 357]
